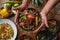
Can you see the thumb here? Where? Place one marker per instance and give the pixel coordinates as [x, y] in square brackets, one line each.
[46, 23]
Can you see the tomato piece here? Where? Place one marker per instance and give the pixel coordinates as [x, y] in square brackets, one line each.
[30, 16]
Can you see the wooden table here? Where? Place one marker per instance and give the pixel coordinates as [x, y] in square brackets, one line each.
[29, 33]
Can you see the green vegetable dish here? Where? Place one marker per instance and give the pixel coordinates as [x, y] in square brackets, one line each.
[41, 36]
[10, 4]
[6, 31]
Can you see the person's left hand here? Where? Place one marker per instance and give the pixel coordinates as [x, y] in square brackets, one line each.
[44, 22]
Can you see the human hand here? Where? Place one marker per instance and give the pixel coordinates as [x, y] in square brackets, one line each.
[16, 17]
[44, 22]
[19, 7]
[15, 11]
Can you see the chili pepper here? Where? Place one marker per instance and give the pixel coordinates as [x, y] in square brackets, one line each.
[36, 20]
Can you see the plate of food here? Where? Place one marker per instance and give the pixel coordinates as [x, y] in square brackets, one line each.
[6, 8]
[8, 30]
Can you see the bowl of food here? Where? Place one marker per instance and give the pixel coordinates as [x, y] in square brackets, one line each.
[52, 25]
[8, 30]
[5, 10]
[41, 36]
[46, 35]
[29, 19]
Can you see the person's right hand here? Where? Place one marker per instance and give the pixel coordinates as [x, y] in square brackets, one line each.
[15, 11]
[16, 16]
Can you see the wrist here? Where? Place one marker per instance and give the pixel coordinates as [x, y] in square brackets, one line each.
[42, 14]
[22, 5]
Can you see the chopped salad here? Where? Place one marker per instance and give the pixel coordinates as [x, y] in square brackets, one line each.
[6, 31]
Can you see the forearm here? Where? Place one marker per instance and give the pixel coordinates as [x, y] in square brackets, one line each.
[49, 5]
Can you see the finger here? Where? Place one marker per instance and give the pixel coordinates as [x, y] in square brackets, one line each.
[46, 23]
[15, 22]
[16, 16]
[13, 8]
[14, 11]
[39, 28]
[17, 11]
[15, 19]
